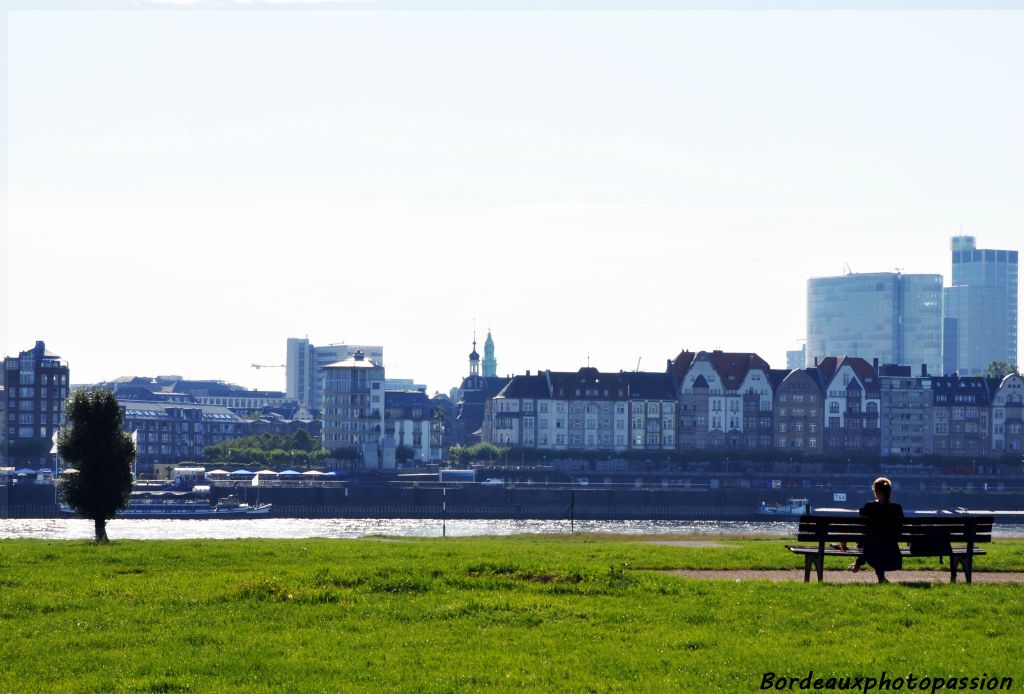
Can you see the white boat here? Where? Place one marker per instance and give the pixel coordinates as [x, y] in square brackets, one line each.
[792, 507]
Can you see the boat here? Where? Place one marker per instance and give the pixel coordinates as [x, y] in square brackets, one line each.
[193, 505]
[792, 507]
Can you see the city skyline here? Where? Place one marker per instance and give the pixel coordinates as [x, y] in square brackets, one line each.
[601, 187]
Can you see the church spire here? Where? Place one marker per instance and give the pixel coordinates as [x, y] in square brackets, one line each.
[474, 359]
[490, 364]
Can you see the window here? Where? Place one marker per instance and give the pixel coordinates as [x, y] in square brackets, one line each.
[833, 407]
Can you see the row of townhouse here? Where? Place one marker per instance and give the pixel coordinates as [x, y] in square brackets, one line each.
[587, 409]
[736, 401]
[949, 415]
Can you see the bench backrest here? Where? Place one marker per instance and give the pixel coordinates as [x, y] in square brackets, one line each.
[926, 530]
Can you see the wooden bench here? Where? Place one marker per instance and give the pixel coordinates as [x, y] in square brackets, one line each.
[955, 537]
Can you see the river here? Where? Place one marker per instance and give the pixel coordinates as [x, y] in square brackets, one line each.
[298, 528]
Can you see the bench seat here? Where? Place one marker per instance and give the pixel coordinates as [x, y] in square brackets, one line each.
[954, 537]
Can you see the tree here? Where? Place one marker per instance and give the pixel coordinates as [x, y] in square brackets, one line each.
[404, 455]
[301, 441]
[999, 369]
[94, 444]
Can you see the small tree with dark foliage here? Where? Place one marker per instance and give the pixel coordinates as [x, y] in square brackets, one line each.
[93, 443]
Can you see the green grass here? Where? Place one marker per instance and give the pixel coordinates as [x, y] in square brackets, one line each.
[579, 613]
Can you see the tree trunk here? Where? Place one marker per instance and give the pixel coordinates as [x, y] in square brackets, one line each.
[101, 530]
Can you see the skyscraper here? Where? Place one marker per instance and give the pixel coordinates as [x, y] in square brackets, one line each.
[980, 314]
[890, 316]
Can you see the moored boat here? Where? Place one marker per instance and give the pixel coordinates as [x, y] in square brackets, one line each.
[194, 505]
[792, 507]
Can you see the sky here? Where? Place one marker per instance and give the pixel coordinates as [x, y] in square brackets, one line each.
[191, 183]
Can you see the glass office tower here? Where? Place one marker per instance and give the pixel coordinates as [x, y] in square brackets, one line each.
[888, 316]
[980, 314]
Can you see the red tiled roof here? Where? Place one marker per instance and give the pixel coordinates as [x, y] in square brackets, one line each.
[732, 367]
[865, 372]
[681, 365]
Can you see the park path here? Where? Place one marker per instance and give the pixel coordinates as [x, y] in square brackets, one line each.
[840, 576]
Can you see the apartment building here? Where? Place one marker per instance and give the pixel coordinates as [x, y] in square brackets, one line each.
[725, 400]
[798, 412]
[852, 405]
[1008, 415]
[174, 432]
[36, 390]
[587, 409]
[353, 407]
[961, 415]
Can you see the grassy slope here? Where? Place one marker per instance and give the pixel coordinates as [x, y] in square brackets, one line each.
[526, 612]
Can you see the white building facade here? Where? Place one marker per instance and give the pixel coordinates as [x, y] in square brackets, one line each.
[353, 407]
[584, 410]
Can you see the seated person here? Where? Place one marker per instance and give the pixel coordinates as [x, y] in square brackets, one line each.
[881, 549]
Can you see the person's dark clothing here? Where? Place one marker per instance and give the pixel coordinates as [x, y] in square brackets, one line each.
[881, 550]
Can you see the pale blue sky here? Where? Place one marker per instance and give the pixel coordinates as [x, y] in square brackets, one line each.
[622, 184]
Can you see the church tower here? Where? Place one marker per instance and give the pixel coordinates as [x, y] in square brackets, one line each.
[474, 360]
[490, 365]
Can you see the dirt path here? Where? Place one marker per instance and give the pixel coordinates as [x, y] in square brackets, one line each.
[865, 576]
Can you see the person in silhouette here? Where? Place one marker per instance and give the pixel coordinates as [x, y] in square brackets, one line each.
[881, 549]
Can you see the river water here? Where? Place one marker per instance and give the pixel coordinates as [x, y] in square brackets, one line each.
[297, 528]
[286, 528]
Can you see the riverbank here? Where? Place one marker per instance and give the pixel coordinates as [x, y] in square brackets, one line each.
[579, 612]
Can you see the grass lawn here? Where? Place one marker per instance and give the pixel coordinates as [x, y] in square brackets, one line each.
[578, 613]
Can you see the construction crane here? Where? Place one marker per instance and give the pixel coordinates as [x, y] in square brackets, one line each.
[269, 366]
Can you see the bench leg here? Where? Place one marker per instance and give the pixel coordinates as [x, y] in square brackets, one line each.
[967, 562]
[952, 568]
[818, 562]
